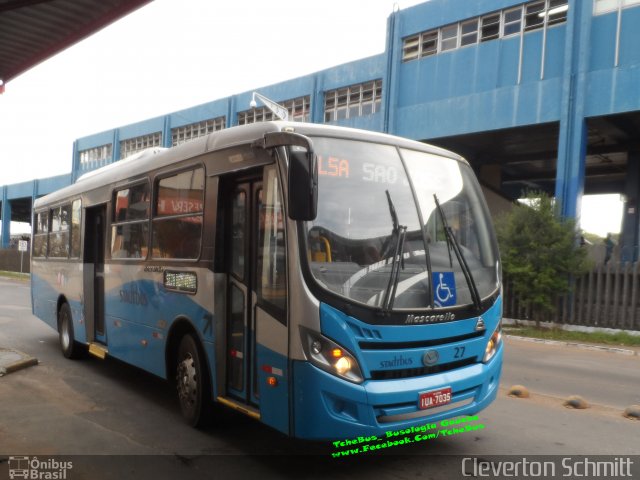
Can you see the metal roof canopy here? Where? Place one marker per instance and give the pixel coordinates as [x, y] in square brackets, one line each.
[33, 30]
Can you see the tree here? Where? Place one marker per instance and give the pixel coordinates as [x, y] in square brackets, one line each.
[540, 252]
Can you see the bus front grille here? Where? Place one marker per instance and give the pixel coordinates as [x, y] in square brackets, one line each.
[418, 372]
[368, 345]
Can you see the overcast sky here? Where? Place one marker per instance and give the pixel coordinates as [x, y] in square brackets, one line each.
[171, 55]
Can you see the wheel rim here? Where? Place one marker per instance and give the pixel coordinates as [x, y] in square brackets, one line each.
[187, 382]
[64, 332]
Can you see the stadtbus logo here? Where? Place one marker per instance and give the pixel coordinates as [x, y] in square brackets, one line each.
[35, 469]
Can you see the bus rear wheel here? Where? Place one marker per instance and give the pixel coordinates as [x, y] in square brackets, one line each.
[192, 382]
[70, 348]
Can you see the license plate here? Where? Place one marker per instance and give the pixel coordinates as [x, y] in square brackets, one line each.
[435, 398]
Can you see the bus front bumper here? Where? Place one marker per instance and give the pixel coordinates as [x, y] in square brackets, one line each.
[327, 407]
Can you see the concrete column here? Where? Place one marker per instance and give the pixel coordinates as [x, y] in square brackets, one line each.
[6, 219]
[35, 192]
[630, 234]
[390, 82]
[572, 141]
[166, 132]
[115, 147]
[317, 99]
[232, 117]
[491, 175]
[75, 163]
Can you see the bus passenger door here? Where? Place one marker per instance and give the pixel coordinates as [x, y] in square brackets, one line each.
[239, 287]
[257, 335]
[93, 281]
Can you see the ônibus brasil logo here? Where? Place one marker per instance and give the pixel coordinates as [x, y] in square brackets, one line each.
[35, 469]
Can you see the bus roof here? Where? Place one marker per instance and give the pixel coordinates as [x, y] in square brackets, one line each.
[142, 162]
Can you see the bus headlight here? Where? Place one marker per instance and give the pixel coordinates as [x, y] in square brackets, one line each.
[493, 343]
[329, 356]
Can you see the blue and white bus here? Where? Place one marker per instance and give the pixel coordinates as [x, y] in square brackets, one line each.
[328, 282]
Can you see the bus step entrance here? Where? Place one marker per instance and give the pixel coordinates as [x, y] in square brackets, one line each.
[98, 350]
[240, 407]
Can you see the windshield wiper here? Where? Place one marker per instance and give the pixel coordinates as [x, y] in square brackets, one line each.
[453, 241]
[398, 257]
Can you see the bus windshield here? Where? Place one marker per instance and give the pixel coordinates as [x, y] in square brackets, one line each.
[399, 228]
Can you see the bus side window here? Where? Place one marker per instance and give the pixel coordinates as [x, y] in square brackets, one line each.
[40, 234]
[178, 213]
[130, 226]
[59, 233]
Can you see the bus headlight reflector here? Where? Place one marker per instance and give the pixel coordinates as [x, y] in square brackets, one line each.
[329, 356]
[493, 343]
[343, 365]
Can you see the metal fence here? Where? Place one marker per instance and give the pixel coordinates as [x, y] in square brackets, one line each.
[12, 260]
[608, 296]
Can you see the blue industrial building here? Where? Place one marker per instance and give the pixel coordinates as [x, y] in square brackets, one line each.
[543, 94]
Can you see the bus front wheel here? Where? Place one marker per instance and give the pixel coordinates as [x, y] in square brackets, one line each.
[70, 348]
[192, 381]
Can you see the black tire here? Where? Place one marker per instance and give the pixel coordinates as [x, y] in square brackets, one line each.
[70, 348]
[192, 383]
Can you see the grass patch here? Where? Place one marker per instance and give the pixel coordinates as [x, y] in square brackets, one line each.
[618, 339]
[17, 275]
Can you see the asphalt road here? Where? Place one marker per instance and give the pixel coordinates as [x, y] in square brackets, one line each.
[98, 408]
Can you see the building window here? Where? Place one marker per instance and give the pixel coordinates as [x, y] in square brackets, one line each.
[429, 43]
[557, 12]
[449, 38]
[411, 48]
[512, 21]
[469, 32]
[96, 154]
[534, 15]
[299, 111]
[353, 101]
[185, 133]
[494, 25]
[490, 27]
[134, 145]
[603, 6]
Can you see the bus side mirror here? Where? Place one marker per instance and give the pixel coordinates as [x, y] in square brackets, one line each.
[303, 184]
[303, 172]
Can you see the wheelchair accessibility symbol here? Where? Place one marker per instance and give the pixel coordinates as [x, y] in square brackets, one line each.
[444, 289]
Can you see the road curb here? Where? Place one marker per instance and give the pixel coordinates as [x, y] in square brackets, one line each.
[12, 360]
[582, 346]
